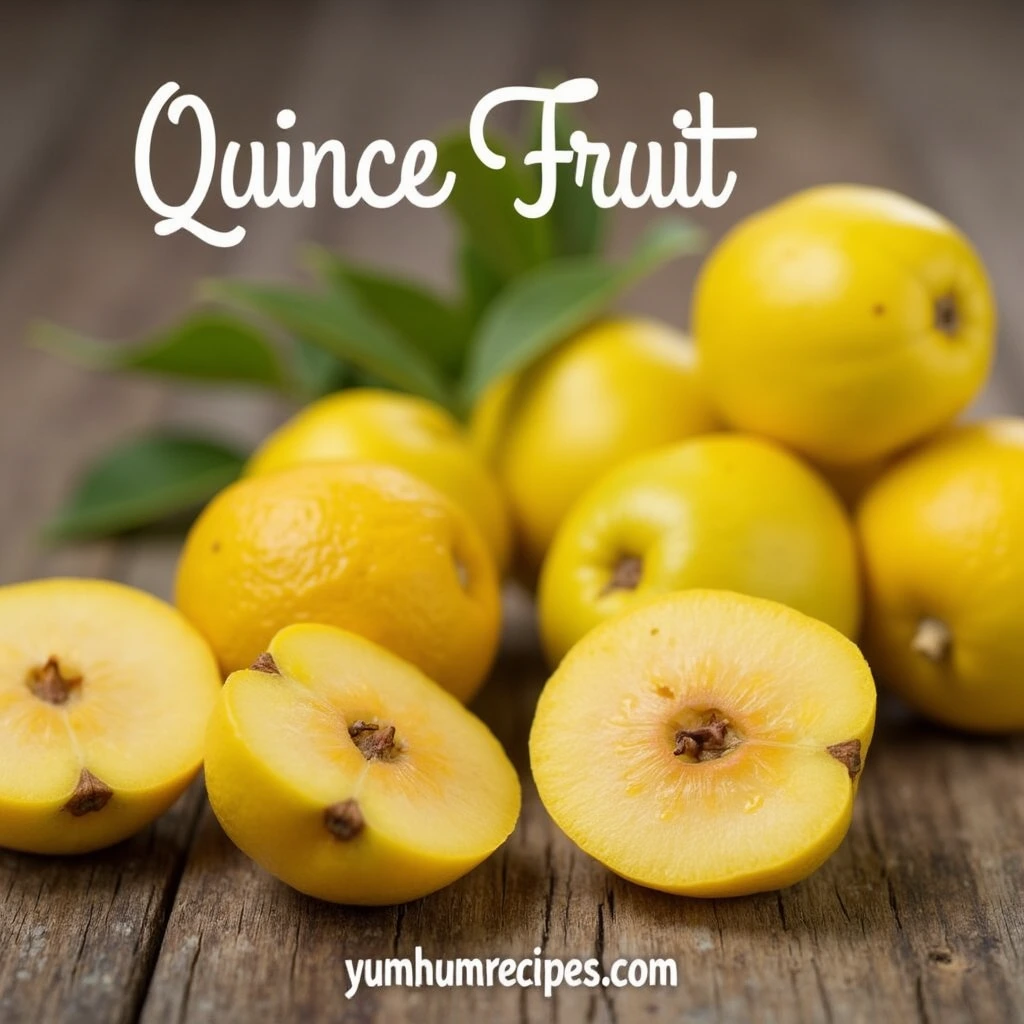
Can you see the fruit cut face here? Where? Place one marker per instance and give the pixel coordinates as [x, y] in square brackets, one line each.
[352, 777]
[104, 696]
[707, 744]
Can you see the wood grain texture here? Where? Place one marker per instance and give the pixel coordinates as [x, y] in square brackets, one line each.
[918, 915]
[79, 936]
[54, 64]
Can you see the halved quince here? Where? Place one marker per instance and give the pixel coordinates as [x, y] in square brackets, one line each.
[105, 693]
[348, 774]
[707, 743]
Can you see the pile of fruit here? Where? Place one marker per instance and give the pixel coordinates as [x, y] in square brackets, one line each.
[711, 528]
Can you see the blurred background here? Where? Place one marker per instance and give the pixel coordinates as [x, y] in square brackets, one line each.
[922, 97]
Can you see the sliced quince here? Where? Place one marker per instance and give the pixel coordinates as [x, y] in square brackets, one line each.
[348, 774]
[105, 693]
[707, 743]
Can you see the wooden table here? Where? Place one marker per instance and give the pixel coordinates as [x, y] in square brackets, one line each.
[917, 917]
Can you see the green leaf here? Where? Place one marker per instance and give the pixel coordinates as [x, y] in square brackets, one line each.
[338, 323]
[208, 346]
[319, 373]
[483, 201]
[143, 482]
[481, 285]
[435, 326]
[577, 222]
[544, 307]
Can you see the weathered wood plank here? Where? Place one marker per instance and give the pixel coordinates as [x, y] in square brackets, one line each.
[53, 61]
[80, 936]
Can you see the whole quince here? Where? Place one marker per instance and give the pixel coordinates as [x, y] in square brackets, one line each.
[616, 389]
[846, 322]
